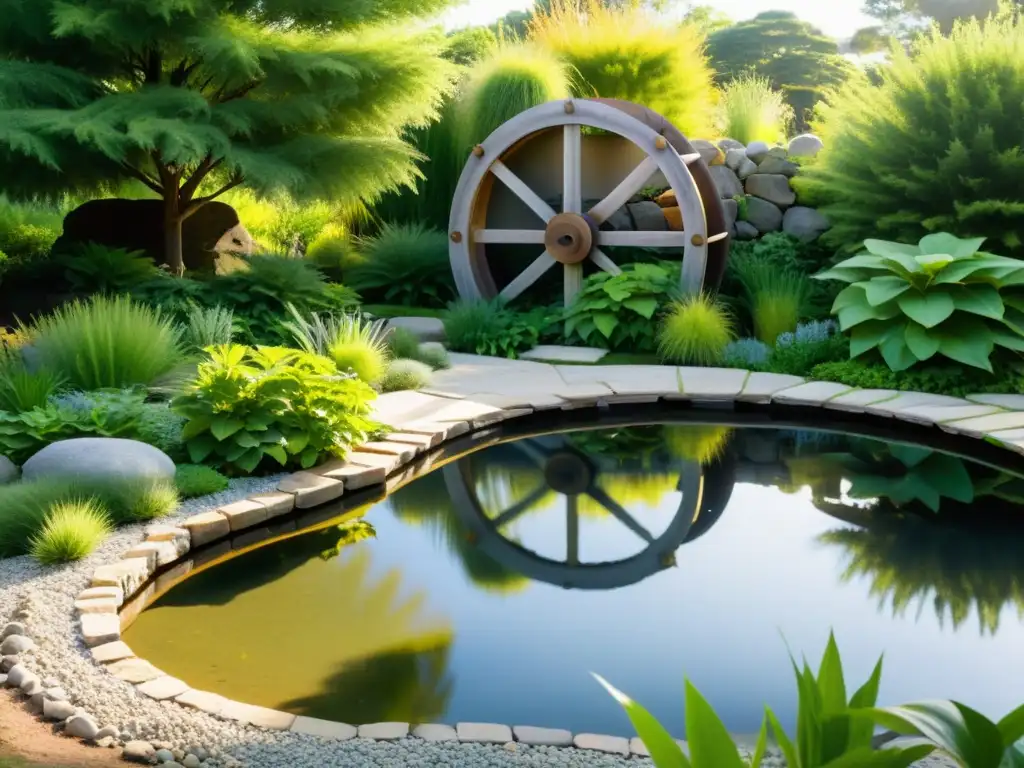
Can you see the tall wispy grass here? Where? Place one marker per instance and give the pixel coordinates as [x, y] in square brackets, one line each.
[695, 331]
[750, 110]
[208, 326]
[353, 342]
[626, 53]
[108, 343]
[776, 298]
[71, 530]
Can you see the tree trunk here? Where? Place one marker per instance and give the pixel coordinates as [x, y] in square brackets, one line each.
[172, 233]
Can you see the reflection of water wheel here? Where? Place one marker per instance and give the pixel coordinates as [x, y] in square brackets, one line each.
[574, 475]
[574, 235]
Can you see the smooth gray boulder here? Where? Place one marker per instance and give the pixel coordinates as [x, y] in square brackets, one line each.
[424, 328]
[731, 209]
[709, 152]
[727, 145]
[8, 471]
[805, 145]
[105, 458]
[773, 187]
[757, 151]
[804, 223]
[778, 165]
[765, 216]
[726, 182]
[745, 231]
[647, 217]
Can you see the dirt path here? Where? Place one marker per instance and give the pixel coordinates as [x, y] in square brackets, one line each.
[34, 742]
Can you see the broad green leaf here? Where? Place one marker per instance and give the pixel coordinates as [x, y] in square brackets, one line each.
[249, 460]
[921, 343]
[642, 306]
[897, 355]
[859, 313]
[868, 335]
[309, 457]
[606, 323]
[1008, 338]
[297, 443]
[849, 296]
[965, 734]
[709, 741]
[978, 299]
[943, 242]
[884, 288]
[905, 266]
[967, 344]
[933, 263]
[866, 696]
[664, 751]
[830, 678]
[965, 271]
[893, 757]
[844, 275]
[200, 447]
[277, 453]
[948, 475]
[247, 439]
[782, 739]
[909, 456]
[1012, 726]
[195, 426]
[889, 250]
[928, 309]
[223, 428]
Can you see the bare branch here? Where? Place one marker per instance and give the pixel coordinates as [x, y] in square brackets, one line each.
[199, 202]
[143, 177]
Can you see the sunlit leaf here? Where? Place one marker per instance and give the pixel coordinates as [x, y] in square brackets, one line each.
[665, 752]
[709, 741]
[943, 242]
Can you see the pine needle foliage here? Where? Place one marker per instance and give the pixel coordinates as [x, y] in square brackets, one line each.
[934, 147]
[193, 98]
[622, 51]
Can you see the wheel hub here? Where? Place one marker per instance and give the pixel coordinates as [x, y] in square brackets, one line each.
[568, 473]
[569, 238]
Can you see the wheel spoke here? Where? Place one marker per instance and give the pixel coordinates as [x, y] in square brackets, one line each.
[523, 192]
[529, 276]
[572, 185]
[521, 506]
[602, 260]
[620, 514]
[573, 282]
[572, 530]
[513, 236]
[644, 239]
[539, 456]
[628, 187]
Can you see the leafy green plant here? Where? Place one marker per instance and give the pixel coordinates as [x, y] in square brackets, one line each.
[775, 298]
[193, 480]
[491, 328]
[208, 326]
[812, 344]
[940, 297]
[333, 251]
[173, 296]
[107, 343]
[95, 268]
[404, 264]
[350, 340]
[695, 331]
[247, 405]
[617, 311]
[751, 110]
[953, 380]
[71, 530]
[406, 374]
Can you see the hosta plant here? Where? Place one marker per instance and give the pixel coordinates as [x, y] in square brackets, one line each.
[942, 297]
[248, 405]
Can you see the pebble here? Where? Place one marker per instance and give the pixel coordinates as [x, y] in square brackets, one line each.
[191, 761]
[82, 726]
[138, 752]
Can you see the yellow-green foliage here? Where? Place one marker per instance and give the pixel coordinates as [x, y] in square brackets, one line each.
[365, 360]
[702, 443]
[406, 374]
[935, 147]
[750, 110]
[626, 53]
[695, 331]
[274, 224]
[514, 78]
[332, 250]
[71, 530]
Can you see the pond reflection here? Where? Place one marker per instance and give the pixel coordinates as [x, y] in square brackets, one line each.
[489, 589]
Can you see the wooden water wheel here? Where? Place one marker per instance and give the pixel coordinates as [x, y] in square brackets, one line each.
[522, 155]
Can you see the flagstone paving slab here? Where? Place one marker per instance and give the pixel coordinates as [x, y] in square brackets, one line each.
[759, 387]
[939, 414]
[562, 354]
[811, 393]
[324, 729]
[982, 425]
[1010, 402]
[858, 400]
[905, 400]
[712, 383]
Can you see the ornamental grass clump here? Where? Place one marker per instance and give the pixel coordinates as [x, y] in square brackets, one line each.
[751, 110]
[404, 264]
[695, 331]
[406, 374]
[942, 297]
[71, 530]
[353, 342]
[775, 297]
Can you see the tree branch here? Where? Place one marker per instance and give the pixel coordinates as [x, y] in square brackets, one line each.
[199, 202]
[202, 170]
[143, 177]
[238, 93]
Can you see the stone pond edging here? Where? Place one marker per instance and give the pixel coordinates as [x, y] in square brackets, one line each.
[475, 393]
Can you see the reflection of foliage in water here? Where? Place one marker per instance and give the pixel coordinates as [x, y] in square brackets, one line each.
[634, 444]
[956, 568]
[349, 532]
[702, 443]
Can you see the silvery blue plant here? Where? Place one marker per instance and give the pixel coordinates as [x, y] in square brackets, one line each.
[747, 353]
[813, 332]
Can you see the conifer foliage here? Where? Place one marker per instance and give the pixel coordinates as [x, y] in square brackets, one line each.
[195, 97]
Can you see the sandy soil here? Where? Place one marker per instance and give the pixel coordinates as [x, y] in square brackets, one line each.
[26, 737]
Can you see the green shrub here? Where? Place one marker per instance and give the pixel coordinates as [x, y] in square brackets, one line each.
[952, 380]
[107, 343]
[333, 251]
[510, 80]
[751, 110]
[28, 230]
[491, 328]
[435, 356]
[695, 331]
[617, 311]
[250, 404]
[160, 427]
[193, 480]
[934, 146]
[22, 390]
[623, 52]
[351, 341]
[406, 374]
[71, 530]
[403, 344]
[174, 296]
[207, 327]
[94, 268]
[813, 344]
[404, 264]
[750, 354]
[940, 297]
[774, 297]
[276, 223]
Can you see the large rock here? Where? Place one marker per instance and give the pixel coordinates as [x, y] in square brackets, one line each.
[100, 458]
[8, 471]
[757, 151]
[709, 153]
[424, 328]
[746, 231]
[804, 223]
[727, 145]
[778, 165]
[16, 644]
[82, 726]
[735, 157]
[647, 217]
[773, 187]
[805, 145]
[731, 208]
[746, 168]
[726, 182]
[138, 225]
[763, 215]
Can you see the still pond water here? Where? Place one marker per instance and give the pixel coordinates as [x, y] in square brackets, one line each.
[489, 590]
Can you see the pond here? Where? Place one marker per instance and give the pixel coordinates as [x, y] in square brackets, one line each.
[490, 589]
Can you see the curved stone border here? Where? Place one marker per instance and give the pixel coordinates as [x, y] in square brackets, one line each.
[475, 393]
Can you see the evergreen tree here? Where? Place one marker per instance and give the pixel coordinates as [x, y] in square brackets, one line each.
[195, 97]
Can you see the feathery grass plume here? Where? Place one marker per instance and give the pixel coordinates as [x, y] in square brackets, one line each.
[71, 530]
[351, 341]
[750, 110]
[512, 79]
[775, 298]
[623, 52]
[934, 146]
[406, 374]
[405, 264]
[208, 326]
[695, 331]
[108, 343]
